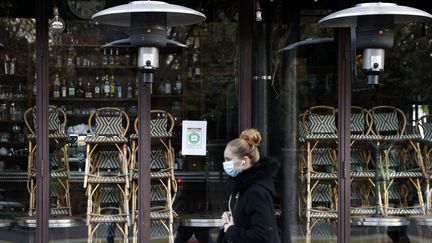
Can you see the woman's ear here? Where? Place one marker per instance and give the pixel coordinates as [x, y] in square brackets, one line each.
[247, 161]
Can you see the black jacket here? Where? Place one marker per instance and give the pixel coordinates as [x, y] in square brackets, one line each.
[253, 209]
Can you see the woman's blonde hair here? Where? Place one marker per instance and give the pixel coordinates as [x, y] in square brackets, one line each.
[247, 144]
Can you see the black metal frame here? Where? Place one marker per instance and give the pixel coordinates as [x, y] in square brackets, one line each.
[344, 128]
[42, 150]
[246, 28]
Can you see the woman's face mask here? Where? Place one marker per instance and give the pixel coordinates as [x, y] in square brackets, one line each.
[232, 167]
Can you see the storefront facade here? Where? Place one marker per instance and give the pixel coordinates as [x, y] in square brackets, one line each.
[263, 64]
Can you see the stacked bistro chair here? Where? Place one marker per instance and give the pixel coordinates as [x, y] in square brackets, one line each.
[398, 163]
[362, 176]
[423, 127]
[106, 176]
[58, 161]
[302, 161]
[321, 167]
[163, 183]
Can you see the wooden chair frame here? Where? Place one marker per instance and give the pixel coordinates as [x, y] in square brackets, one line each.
[164, 176]
[60, 176]
[101, 141]
[398, 131]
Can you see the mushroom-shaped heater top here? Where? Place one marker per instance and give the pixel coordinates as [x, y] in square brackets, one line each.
[175, 15]
[399, 14]
[374, 23]
[148, 22]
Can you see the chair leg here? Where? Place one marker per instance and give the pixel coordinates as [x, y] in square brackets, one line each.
[170, 210]
[135, 233]
[126, 232]
[32, 206]
[89, 233]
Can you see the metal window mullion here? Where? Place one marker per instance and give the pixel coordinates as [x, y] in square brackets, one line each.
[42, 152]
[344, 129]
[246, 23]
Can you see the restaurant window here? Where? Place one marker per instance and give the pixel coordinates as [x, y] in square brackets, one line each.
[390, 171]
[93, 95]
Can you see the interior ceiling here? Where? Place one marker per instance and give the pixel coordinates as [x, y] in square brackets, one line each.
[26, 8]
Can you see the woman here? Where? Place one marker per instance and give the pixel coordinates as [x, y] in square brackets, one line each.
[252, 191]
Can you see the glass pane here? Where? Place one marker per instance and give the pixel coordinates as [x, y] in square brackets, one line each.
[93, 154]
[93, 109]
[17, 75]
[390, 191]
[398, 189]
[212, 95]
[304, 94]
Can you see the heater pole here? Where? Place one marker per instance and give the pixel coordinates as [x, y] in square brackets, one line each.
[144, 106]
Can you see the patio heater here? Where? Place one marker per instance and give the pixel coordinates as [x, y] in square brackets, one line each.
[373, 23]
[371, 30]
[148, 22]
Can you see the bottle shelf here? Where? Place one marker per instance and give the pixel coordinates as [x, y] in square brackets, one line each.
[13, 99]
[11, 121]
[14, 77]
[106, 67]
[170, 96]
[94, 67]
[113, 99]
[12, 144]
[13, 157]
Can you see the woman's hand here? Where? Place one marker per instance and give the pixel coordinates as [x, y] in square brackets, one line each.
[227, 220]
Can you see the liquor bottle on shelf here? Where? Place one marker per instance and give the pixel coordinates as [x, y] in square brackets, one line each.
[56, 87]
[190, 72]
[117, 58]
[111, 58]
[197, 66]
[168, 86]
[58, 63]
[136, 87]
[102, 86]
[161, 87]
[71, 56]
[80, 89]
[134, 59]
[129, 89]
[4, 112]
[178, 85]
[97, 88]
[34, 87]
[106, 88]
[64, 89]
[179, 159]
[71, 89]
[20, 91]
[12, 112]
[126, 59]
[104, 58]
[88, 91]
[112, 86]
[118, 90]
[196, 39]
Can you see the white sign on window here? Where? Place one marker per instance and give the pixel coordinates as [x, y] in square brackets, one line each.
[194, 138]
